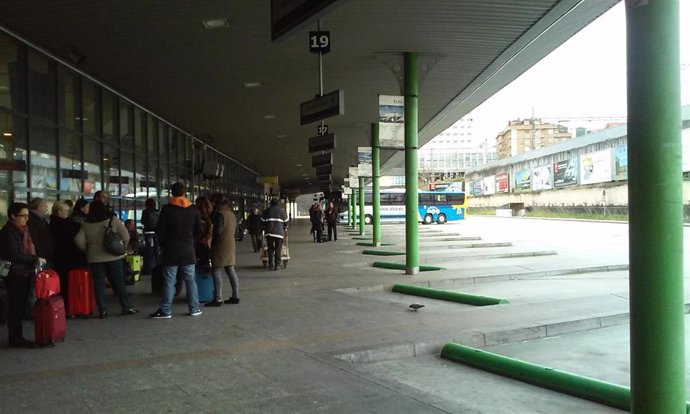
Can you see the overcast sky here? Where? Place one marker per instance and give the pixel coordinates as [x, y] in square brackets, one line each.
[585, 77]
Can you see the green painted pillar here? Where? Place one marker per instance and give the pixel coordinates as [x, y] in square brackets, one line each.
[375, 184]
[353, 216]
[657, 380]
[411, 197]
[361, 206]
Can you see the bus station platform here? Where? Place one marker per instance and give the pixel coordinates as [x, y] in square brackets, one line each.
[326, 334]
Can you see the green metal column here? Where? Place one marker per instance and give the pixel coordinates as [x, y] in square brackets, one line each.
[375, 184]
[353, 216]
[411, 197]
[656, 207]
[361, 206]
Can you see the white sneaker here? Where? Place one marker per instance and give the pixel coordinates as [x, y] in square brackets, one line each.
[195, 313]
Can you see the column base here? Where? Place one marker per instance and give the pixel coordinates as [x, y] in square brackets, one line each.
[412, 270]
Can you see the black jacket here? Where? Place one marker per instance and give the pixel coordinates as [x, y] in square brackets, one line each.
[254, 224]
[11, 249]
[275, 221]
[40, 235]
[179, 228]
[67, 254]
[149, 219]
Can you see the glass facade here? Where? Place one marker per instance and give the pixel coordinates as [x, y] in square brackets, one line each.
[63, 136]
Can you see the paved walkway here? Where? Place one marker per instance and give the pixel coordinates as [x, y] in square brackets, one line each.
[327, 335]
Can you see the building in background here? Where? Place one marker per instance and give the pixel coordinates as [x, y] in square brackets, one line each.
[524, 135]
[450, 154]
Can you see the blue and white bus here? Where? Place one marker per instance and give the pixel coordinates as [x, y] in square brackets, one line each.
[434, 206]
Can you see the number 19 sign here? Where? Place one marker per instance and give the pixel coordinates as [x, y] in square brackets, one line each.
[320, 42]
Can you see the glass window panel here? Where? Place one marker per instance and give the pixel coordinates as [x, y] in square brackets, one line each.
[108, 117]
[111, 166]
[151, 131]
[70, 163]
[11, 75]
[89, 96]
[93, 161]
[43, 158]
[66, 97]
[13, 165]
[41, 87]
[138, 130]
[127, 185]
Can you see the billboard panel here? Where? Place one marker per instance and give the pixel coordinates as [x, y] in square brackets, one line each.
[595, 167]
[522, 181]
[392, 121]
[541, 178]
[502, 183]
[565, 173]
[489, 185]
[477, 187]
[620, 163]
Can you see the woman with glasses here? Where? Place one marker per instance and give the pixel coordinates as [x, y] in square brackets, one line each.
[17, 247]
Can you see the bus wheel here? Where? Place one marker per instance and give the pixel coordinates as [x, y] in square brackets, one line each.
[428, 219]
[368, 219]
[441, 219]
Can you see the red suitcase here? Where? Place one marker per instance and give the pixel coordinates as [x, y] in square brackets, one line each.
[49, 320]
[47, 284]
[81, 300]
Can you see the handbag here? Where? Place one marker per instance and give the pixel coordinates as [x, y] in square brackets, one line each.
[112, 242]
[5, 266]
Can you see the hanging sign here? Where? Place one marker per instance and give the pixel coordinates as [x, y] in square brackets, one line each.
[322, 107]
[353, 176]
[392, 121]
[324, 169]
[323, 159]
[320, 42]
[364, 168]
[322, 143]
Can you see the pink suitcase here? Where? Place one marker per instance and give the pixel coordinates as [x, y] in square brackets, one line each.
[47, 284]
[49, 320]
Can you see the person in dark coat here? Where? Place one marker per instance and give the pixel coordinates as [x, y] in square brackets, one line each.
[179, 228]
[254, 227]
[38, 229]
[332, 216]
[79, 211]
[67, 255]
[317, 222]
[17, 247]
[275, 222]
[149, 219]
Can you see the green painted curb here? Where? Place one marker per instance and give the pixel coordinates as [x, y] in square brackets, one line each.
[591, 389]
[383, 253]
[361, 238]
[370, 244]
[475, 300]
[401, 266]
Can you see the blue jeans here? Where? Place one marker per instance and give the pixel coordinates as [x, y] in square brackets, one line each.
[170, 277]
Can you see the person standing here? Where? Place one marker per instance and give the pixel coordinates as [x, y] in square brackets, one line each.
[79, 211]
[102, 263]
[17, 247]
[179, 227]
[67, 255]
[275, 220]
[38, 229]
[149, 219]
[332, 220]
[317, 222]
[254, 227]
[223, 253]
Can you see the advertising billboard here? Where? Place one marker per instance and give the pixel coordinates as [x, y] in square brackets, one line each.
[489, 185]
[565, 173]
[522, 181]
[502, 183]
[477, 187]
[620, 163]
[392, 121]
[541, 178]
[595, 167]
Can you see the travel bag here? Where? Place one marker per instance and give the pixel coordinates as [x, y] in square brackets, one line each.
[47, 283]
[204, 284]
[49, 320]
[81, 300]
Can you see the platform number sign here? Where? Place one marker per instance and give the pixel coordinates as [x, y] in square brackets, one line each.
[322, 129]
[320, 42]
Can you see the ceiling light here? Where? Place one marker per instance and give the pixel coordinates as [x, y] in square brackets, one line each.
[257, 84]
[215, 23]
[6, 134]
[281, 136]
[298, 165]
[269, 116]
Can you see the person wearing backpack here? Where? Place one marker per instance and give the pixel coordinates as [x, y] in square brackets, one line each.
[103, 263]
